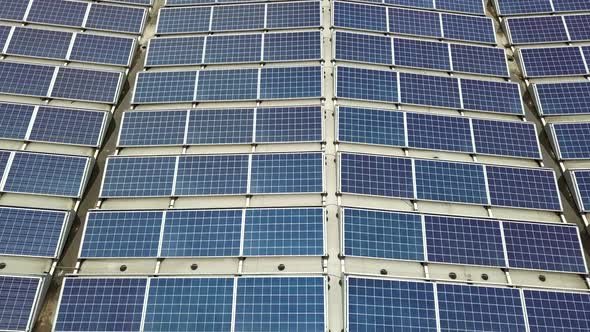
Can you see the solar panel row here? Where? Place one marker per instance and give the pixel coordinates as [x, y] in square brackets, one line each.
[561, 98]
[193, 304]
[428, 90]
[554, 61]
[548, 29]
[400, 21]
[18, 300]
[204, 233]
[524, 7]
[51, 44]
[434, 180]
[465, 241]
[222, 126]
[57, 82]
[196, 175]
[420, 54]
[397, 305]
[244, 48]
[437, 132]
[224, 85]
[93, 16]
[299, 14]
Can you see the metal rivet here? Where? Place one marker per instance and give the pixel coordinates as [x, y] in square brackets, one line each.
[123, 268]
[383, 271]
[281, 267]
[453, 275]
[542, 278]
[194, 267]
[485, 276]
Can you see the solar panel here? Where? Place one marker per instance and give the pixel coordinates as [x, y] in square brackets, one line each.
[381, 234]
[189, 304]
[293, 15]
[150, 128]
[39, 43]
[291, 82]
[58, 12]
[87, 85]
[571, 140]
[134, 2]
[25, 79]
[183, 20]
[238, 17]
[115, 18]
[469, 28]
[577, 27]
[212, 175]
[292, 46]
[233, 48]
[30, 232]
[4, 32]
[13, 10]
[289, 124]
[363, 48]
[102, 49]
[414, 22]
[17, 302]
[571, 5]
[523, 7]
[138, 177]
[284, 232]
[165, 87]
[553, 61]
[427, 131]
[390, 305]
[202, 233]
[362, 17]
[462, 6]
[47, 174]
[117, 301]
[523, 188]
[376, 175]
[474, 308]
[503, 138]
[110, 234]
[488, 96]
[14, 120]
[236, 84]
[226, 126]
[479, 60]
[562, 98]
[280, 304]
[287, 173]
[450, 182]
[544, 247]
[371, 126]
[541, 29]
[549, 310]
[464, 241]
[581, 184]
[429, 90]
[409, 3]
[366, 84]
[69, 126]
[421, 54]
[4, 156]
[175, 51]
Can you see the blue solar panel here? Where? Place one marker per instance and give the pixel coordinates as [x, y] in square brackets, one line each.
[571, 139]
[413, 22]
[138, 177]
[488, 96]
[469, 28]
[212, 175]
[189, 304]
[4, 32]
[284, 232]
[287, 173]
[381, 234]
[14, 120]
[128, 234]
[289, 124]
[280, 304]
[227, 126]
[116, 18]
[25, 79]
[582, 188]
[357, 16]
[102, 49]
[242, 17]
[153, 128]
[523, 7]
[183, 20]
[577, 27]
[523, 187]
[542, 29]
[293, 82]
[87, 85]
[292, 46]
[503, 138]
[571, 5]
[426, 131]
[363, 48]
[17, 302]
[31, 232]
[366, 84]
[175, 51]
[39, 43]
[562, 98]
[463, 6]
[69, 126]
[450, 182]
[553, 61]
[236, 84]
[421, 54]
[479, 60]
[293, 15]
[464, 241]
[202, 233]
[234, 48]
[544, 247]
[4, 156]
[390, 305]
[371, 126]
[13, 10]
[117, 301]
[134, 2]
[165, 87]
[46, 174]
[557, 311]
[376, 175]
[473, 308]
[429, 90]
[58, 12]
[409, 3]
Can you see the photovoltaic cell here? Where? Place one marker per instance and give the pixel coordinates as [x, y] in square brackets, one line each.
[152, 128]
[39, 43]
[292, 82]
[183, 20]
[380, 234]
[429, 90]
[227, 126]
[25, 79]
[14, 120]
[366, 84]
[292, 46]
[138, 177]
[87, 85]
[503, 138]
[562, 98]
[488, 96]
[287, 173]
[469, 28]
[165, 87]
[553, 61]
[212, 175]
[357, 16]
[236, 84]
[116, 18]
[175, 51]
[13, 10]
[463, 6]
[17, 301]
[102, 49]
[557, 311]
[426, 131]
[242, 17]
[542, 29]
[58, 12]
[363, 48]
[289, 124]
[523, 7]
[421, 54]
[479, 60]
[572, 139]
[233, 48]
[371, 126]
[577, 27]
[413, 22]
[293, 14]
[582, 188]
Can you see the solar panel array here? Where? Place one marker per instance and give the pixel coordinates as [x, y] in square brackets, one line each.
[548, 29]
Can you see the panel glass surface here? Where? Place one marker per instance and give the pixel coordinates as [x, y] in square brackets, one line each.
[563, 98]
[523, 7]
[287, 173]
[488, 96]
[242, 17]
[165, 87]
[25, 79]
[39, 43]
[87, 85]
[479, 60]
[17, 299]
[116, 18]
[289, 83]
[153, 128]
[175, 51]
[102, 49]
[138, 177]
[68, 126]
[361, 17]
[577, 27]
[13, 10]
[292, 46]
[289, 124]
[58, 12]
[553, 61]
[293, 15]
[183, 20]
[582, 178]
[212, 175]
[572, 139]
[236, 84]
[233, 48]
[557, 311]
[463, 6]
[366, 84]
[371, 126]
[14, 120]
[427, 131]
[542, 29]
[414, 22]
[363, 48]
[225, 126]
[429, 90]
[421, 54]
[469, 28]
[503, 138]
